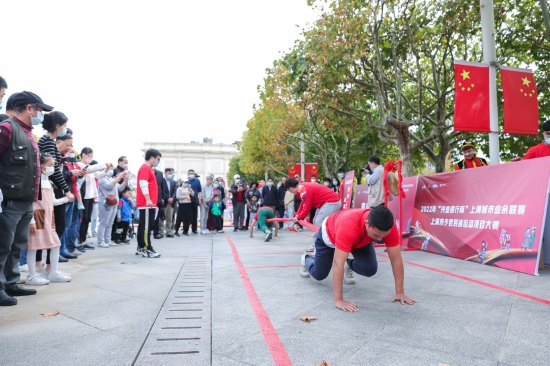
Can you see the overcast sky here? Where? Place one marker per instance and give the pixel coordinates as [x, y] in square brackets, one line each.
[127, 72]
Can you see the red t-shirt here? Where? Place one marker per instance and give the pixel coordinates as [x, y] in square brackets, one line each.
[262, 208]
[146, 173]
[346, 230]
[314, 195]
[538, 151]
[472, 163]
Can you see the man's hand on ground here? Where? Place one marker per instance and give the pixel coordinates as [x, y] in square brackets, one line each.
[404, 299]
[346, 306]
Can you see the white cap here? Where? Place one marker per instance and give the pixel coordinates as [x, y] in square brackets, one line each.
[236, 176]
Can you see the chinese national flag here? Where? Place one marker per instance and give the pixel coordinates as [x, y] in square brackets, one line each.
[312, 169]
[471, 97]
[296, 169]
[521, 107]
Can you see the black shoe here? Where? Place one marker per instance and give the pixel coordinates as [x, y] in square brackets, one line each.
[196, 233]
[7, 300]
[244, 228]
[86, 246]
[235, 230]
[81, 249]
[170, 235]
[20, 291]
[63, 259]
[158, 236]
[186, 234]
[68, 256]
[117, 242]
[176, 234]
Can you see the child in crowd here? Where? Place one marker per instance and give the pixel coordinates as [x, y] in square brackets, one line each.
[216, 211]
[253, 206]
[124, 216]
[184, 195]
[229, 206]
[42, 233]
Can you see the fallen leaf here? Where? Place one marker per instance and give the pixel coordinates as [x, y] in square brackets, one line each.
[50, 313]
[324, 363]
[307, 319]
[298, 294]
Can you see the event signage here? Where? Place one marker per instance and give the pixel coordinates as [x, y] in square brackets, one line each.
[488, 215]
[346, 190]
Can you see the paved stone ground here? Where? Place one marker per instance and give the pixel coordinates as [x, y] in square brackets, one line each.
[117, 314]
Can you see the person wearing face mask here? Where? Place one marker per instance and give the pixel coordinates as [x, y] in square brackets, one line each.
[20, 174]
[89, 193]
[239, 192]
[542, 149]
[195, 184]
[220, 192]
[162, 200]
[281, 200]
[270, 195]
[42, 230]
[184, 194]
[207, 196]
[335, 184]
[167, 225]
[109, 193]
[327, 182]
[470, 159]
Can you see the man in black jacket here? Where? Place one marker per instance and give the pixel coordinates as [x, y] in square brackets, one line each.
[270, 195]
[163, 197]
[281, 193]
[167, 225]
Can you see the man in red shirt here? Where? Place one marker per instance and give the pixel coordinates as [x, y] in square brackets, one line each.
[146, 202]
[542, 149]
[355, 231]
[470, 160]
[324, 199]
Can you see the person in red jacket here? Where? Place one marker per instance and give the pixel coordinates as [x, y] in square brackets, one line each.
[470, 159]
[147, 198]
[541, 150]
[355, 231]
[324, 199]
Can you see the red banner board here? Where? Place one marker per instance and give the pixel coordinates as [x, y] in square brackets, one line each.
[311, 169]
[492, 215]
[346, 191]
[361, 196]
[409, 187]
[471, 97]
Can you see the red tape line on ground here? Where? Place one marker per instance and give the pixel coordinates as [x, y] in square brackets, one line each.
[477, 282]
[276, 348]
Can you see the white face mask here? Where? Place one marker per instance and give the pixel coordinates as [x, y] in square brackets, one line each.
[49, 171]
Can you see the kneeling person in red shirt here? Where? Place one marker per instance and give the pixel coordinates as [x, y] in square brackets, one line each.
[355, 231]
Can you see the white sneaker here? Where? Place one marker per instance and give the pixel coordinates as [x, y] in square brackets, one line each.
[24, 268]
[220, 232]
[59, 277]
[303, 270]
[37, 280]
[207, 231]
[111, 244]
[103, 245]
[268, 236]
[348, 274]
[150, 254]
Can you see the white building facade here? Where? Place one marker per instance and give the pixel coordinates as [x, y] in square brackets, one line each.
[205, 158]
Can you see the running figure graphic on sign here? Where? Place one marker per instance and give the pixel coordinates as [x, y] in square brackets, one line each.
[526, 239]
[532, 238]
[482, 254]
[426, 242]
[417, 228]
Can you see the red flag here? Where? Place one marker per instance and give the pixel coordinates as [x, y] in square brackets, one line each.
[312, 169]
[296, 169]
[471, 97]
[521, 107]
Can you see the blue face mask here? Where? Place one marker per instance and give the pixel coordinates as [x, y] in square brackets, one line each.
[335, 182]
[62, 133]
[1, 104]
[216, 185]
[186, 186]
[38, 119]
[270, 183]
[340, 175]
[110, 174]
[547, 140]
[170, 176]
[156, 163]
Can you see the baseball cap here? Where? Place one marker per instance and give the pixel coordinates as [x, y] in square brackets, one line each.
[236, 176]
[467, 144]
[26, 97]
[546, 126]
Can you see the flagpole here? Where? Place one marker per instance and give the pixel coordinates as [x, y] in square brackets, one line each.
[490, 57]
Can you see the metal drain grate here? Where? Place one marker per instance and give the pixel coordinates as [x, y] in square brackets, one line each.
[181, 335]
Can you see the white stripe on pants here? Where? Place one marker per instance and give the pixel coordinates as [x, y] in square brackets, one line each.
[107, 215]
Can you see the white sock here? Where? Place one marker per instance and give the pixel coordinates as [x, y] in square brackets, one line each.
[31, 261]
[54, 260]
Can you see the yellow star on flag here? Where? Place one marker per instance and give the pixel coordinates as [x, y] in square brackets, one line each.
[465, 74]
[525, 81]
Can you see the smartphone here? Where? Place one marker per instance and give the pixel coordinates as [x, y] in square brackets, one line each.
[86, 167]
